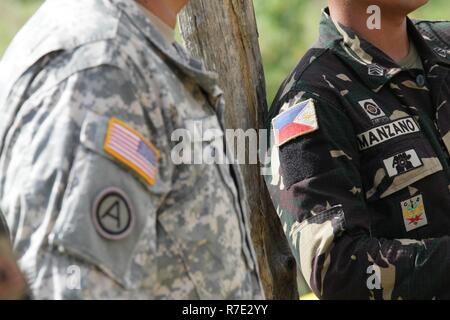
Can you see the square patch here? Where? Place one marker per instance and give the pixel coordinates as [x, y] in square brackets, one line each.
[296, 121]
[372, 109]
[413, 211]
[402, 162]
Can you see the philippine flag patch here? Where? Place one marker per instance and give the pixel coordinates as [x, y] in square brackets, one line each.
[297, 121]
[132, 149]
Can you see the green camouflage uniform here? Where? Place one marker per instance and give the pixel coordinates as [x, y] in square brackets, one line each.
[359, 166]
[85, 222]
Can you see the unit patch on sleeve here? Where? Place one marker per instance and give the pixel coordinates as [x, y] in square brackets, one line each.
[113, 215]
[297, 121]
[414, 213]
[402, 162]
[132, 149]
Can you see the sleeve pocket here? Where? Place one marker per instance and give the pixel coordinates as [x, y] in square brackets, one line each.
[383, 179]
[107, 214]
[315, 236]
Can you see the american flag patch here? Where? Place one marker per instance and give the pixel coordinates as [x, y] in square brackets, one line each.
[131, 148]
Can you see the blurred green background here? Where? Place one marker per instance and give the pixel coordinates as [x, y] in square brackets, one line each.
[287, 28]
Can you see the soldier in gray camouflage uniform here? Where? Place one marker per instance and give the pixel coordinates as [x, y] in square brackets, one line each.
[360, 169]
[90, 93]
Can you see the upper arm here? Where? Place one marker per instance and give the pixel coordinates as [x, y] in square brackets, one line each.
[92, 167]
[321, 168]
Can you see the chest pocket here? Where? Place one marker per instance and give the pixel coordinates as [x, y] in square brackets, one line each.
[108, 213]
[396, 165]
[213, 145]
[206, 139]
[399, 180]
[206, 221]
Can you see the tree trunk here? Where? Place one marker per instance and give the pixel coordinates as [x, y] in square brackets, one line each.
[224, 34]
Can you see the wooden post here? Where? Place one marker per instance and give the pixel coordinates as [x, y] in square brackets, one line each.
[224, 34]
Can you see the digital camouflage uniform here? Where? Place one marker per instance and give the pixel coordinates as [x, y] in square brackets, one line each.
[93, 224]
[359, 169]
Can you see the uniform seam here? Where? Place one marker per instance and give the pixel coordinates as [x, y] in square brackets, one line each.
[322, 52]
[297, 73]
[41, 93]
[328, 103]
[437, 36]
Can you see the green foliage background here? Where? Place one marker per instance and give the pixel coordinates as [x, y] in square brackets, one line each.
[286, 27]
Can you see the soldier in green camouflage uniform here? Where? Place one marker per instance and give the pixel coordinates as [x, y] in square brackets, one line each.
[90, 94]
[359, 165]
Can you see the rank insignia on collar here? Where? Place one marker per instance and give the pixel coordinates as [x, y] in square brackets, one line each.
[414, 215]
[376, 70]
[296, 121]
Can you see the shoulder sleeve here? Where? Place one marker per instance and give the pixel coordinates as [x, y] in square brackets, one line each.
[90, 162]
[316, 187]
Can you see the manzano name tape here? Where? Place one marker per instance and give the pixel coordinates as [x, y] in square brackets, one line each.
[381, 134]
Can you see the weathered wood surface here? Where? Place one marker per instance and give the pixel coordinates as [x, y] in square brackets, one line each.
[224, 34]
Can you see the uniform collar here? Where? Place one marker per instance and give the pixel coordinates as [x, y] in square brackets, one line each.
[167, 32]
[372, 65]
[176, 54]
[428, 49]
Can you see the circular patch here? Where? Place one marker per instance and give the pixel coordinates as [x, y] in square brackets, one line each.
[372, 109]
[420, 80]
[113, 215]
